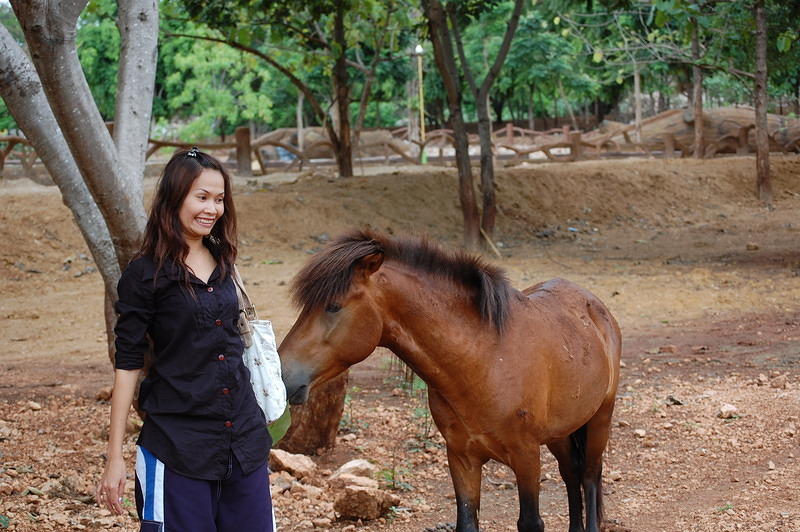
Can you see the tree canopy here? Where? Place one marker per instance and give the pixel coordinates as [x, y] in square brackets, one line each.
[565, 56]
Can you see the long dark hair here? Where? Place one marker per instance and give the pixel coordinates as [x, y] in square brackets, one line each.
[163, 236]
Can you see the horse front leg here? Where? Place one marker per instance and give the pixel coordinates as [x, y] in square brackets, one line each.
[466, 474]
[528, 469]
[465, 468]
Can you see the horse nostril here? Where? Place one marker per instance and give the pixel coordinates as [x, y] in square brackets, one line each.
[299, 395]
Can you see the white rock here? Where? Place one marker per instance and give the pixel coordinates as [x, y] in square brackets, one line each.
[298, 465]
[358, 468]
[346, 479]
[728, 411]
[640, 433]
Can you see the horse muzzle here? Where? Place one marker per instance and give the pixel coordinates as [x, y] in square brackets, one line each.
[297, 395]
[297, 386]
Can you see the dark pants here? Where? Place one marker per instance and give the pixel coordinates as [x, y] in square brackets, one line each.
[169, 502]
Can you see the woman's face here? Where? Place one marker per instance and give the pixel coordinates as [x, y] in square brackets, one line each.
[203, 205]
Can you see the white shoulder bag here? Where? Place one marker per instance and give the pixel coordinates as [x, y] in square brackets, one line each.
[260, 355]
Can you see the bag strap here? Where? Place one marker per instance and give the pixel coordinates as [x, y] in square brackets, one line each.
[245, 304]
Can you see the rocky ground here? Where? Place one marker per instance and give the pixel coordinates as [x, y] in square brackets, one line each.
[704, 281]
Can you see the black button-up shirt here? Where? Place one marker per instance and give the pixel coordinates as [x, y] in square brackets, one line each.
[198, 399]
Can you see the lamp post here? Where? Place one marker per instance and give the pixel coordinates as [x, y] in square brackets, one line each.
[418, 51]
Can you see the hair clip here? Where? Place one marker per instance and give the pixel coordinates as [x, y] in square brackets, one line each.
[193, 152]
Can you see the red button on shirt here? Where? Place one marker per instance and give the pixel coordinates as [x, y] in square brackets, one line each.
[218, 323]
[228, 424]
[226, 391]
[220, 357]
[210, 288]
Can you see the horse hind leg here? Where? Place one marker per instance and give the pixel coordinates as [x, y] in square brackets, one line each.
[597, 432]
[570, 456]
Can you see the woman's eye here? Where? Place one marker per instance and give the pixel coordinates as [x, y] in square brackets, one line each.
[333, 308]
[220, 200]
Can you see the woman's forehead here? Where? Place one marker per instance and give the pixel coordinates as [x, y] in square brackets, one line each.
[209, 180]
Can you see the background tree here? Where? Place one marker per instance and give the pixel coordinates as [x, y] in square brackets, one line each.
[444, 54]
[480, 93]
[322, 33]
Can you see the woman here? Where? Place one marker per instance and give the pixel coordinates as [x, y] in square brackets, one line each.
[201, 455]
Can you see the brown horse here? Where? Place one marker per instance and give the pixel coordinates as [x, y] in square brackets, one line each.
[507, 371]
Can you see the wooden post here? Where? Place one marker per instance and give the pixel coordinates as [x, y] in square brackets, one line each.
[509, 133]
[669, 145]
[243, 160]
[576, 150]
[565, 129]
[744, 145]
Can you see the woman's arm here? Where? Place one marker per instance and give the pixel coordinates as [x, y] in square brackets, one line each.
[112, 484]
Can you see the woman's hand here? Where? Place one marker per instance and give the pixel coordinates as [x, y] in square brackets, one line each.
[112, 484]
[111, 487]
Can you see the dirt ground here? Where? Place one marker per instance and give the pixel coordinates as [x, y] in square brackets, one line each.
[704, 281]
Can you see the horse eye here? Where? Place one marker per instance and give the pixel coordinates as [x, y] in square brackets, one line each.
[333, 308]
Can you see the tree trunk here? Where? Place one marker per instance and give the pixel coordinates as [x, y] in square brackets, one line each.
[489, 213]
[568, 104]
[445, 63]
[50, 30]
[344, 146]
[531, 122]
[637, 101]
[299, 120]
[481, 95]
[138, 30]
[114, 181]
[22, 92]
[315, 424]
[763, 184]
[697, 94]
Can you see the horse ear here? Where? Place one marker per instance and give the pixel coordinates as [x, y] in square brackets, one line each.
[368, 265]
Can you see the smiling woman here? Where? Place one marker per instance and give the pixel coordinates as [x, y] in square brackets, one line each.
[203, 438]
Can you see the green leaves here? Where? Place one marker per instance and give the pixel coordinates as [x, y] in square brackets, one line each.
[785, 40]
[280, 426]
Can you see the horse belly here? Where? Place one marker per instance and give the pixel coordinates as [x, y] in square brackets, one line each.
[572, 361]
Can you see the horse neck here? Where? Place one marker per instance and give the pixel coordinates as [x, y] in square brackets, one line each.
[432, 325]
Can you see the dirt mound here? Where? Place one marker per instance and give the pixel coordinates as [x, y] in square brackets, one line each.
[545, 197]
[549, 200]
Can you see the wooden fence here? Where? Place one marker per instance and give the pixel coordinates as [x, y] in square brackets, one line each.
[514, 144]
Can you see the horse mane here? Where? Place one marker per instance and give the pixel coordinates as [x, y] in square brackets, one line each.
[327, 276]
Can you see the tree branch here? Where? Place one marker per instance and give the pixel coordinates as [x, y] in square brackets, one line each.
[504, 48]
[451, 13]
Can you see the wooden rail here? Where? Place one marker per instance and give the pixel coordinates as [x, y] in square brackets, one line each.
[521, 142]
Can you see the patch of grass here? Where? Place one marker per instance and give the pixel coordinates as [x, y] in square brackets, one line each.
[725, 508]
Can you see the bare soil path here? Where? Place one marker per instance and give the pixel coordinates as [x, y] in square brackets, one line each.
[704, 281]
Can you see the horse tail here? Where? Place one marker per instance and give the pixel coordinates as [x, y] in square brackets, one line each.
[578, 454]
[578, 450]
